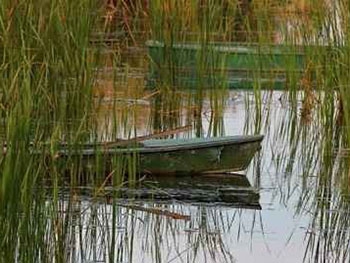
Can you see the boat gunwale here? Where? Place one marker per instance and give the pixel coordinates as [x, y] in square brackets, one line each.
[235, 48]
[261, 70]
[235, 140]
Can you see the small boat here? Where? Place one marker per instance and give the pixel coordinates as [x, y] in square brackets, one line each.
[231, 65]
[173, 156]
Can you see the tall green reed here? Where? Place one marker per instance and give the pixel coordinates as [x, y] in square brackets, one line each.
[317, 95]
[47, 76]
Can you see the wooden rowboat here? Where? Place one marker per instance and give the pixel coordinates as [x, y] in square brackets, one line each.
[232, 65]
[173, 156]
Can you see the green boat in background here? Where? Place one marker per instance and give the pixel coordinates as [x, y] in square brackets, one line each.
[171, 156]
[231, 65]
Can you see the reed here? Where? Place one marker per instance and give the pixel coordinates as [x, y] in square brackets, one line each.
[47, 75]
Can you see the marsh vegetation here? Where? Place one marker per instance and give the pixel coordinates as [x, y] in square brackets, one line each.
[76, 72]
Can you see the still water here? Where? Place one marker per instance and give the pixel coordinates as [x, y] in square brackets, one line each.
[279, 232]
[282, 222]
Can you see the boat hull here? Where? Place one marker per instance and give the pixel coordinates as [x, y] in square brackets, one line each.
[171, 156]
[231, 65]
[235, 157]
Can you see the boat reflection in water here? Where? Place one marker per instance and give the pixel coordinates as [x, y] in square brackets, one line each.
[231, 190]
[161, 219]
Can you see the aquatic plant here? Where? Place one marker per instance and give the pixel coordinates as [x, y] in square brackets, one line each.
[64, 78]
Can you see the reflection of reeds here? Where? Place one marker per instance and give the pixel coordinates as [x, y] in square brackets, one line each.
[96, 230]
[328, 235]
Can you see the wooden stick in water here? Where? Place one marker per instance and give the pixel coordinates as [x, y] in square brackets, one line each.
[158, 211]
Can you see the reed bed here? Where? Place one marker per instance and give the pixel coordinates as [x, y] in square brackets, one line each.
[60, 61]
